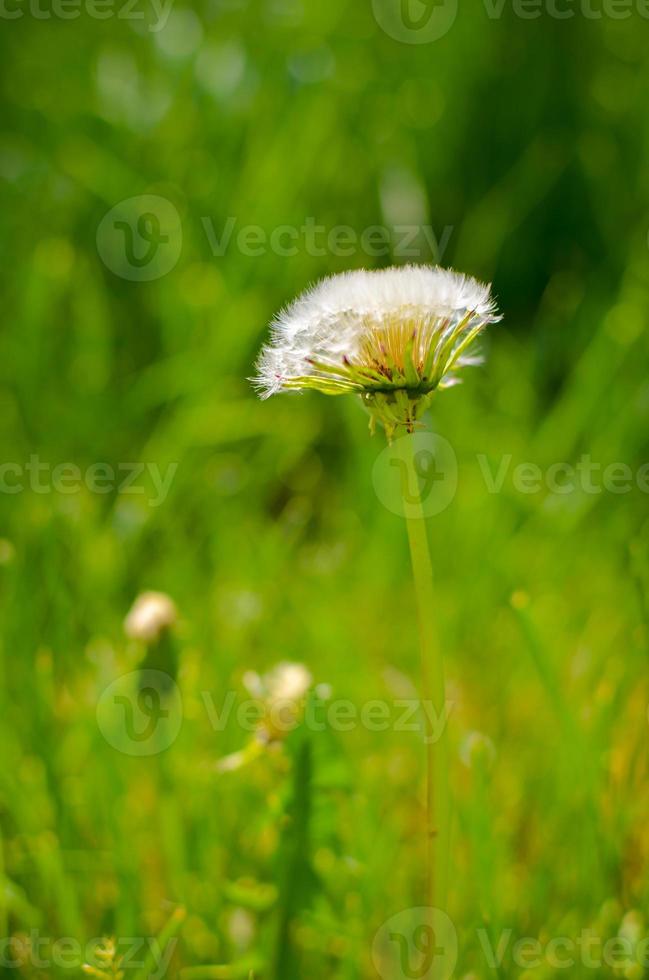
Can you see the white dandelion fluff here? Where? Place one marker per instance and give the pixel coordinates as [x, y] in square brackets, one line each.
[282, 691]
[149, 616]
[392, 336]
[286, 682]
[280, 695]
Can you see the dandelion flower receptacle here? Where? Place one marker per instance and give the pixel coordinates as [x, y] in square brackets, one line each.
[392, 336]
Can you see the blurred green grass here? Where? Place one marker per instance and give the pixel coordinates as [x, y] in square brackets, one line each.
[528, 140]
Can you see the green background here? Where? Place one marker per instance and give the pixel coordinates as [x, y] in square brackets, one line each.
[522, 143]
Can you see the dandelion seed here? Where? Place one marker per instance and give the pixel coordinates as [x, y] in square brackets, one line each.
[392, 336]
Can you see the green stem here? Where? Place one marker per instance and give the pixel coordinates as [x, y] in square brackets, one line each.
[433, 690]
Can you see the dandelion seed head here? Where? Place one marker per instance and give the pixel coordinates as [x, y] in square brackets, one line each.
[284, 682]
[392, 336]
[150, 614]
[281, 694]
[283, 691]
[288, 682]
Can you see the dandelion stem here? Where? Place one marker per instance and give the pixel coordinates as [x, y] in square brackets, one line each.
[433, 691]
